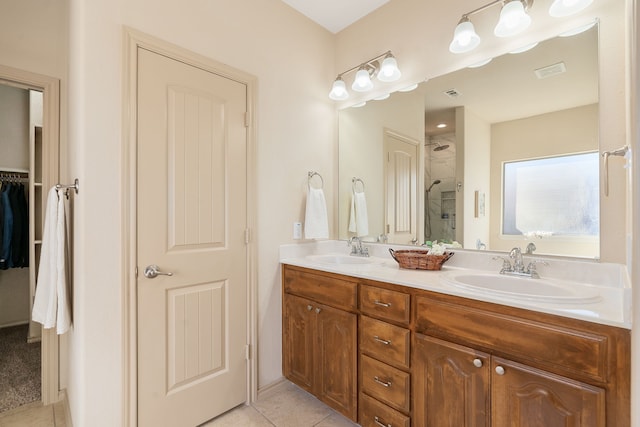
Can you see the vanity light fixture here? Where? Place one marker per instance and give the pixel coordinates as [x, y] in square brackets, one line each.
[387, 71]
[524, 48]
[513, 20]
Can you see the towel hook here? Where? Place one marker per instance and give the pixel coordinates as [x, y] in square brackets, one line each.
[354, 184]
[66, 187]
[311, 175]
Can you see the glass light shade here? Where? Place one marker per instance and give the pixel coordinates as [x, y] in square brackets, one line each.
[339, 90]
[389, 71]
[561, 8]
[513, 19]
[362, 82]
[524, 48]
[465, 38]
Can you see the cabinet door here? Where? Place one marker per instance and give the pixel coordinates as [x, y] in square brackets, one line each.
[298, 323]
[526, 397]
[450, 385]
[336, 372]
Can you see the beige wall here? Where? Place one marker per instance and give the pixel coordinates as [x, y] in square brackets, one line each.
[476, 143]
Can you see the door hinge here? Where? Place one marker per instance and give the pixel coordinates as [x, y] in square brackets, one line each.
[247, 119]
[247, 352]
[247, 236]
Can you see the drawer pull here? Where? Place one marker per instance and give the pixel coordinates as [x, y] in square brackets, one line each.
[309, 307]
[499, 370]
[380, 340]
[377, 421]
[477, 363]
[318, 310]
[382, 383]
[383, 304]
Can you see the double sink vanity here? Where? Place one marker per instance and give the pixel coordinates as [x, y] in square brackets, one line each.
[463, 346]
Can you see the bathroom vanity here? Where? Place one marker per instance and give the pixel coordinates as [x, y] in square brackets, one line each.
[382, 349]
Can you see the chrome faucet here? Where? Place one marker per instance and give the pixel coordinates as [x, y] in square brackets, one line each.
[513, 265]
[356, 247]
[517, 264]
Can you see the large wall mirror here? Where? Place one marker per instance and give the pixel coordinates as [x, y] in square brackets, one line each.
[491, 157]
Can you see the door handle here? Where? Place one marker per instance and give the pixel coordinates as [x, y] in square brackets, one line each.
[153, 271]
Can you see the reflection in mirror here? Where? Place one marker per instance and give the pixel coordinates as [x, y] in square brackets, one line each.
[538, 106]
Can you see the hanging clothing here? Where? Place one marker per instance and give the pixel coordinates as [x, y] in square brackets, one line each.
[6, 260]
[14, 226]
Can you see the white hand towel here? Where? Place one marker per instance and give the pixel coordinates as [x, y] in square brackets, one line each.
[359, 219]
[316, 223]
[51, 304]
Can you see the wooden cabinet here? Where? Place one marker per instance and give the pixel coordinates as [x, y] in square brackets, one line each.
[515, 368]
[394, 355]
[450, 384]
[459, 386]
[320, 343]
[385, 356]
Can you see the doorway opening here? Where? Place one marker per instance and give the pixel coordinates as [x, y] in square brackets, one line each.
[29, 142]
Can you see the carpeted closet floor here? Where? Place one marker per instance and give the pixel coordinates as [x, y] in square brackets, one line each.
[19, 368]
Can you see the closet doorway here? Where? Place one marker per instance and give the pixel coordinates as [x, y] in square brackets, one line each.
[29, 165]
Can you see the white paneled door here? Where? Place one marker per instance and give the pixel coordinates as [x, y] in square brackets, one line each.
[401, 194]
[191, 222]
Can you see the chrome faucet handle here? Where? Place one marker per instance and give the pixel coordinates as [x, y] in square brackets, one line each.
[506, 264]
[532, 270]
[530, 248]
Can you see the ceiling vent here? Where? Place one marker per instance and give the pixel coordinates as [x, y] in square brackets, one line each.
[551, 70]
[452, 93]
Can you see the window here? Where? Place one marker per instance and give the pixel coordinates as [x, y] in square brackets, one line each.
[552, 196]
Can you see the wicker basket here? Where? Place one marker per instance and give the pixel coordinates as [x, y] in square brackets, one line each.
[419, 260]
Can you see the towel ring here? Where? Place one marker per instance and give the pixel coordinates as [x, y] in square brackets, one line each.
[354, 184]
[311, 175]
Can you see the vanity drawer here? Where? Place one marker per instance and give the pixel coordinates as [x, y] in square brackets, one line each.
[384, 341]
[385, 383]
[376, 414]
[555, 347]
[385, 304]
[326, 288]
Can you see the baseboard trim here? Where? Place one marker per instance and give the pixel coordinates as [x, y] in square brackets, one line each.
[62, 398]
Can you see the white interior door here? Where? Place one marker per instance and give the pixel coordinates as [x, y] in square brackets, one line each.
[191, 222]
[401, 193]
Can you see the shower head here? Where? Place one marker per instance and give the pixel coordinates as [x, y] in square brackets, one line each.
[440, 147]
[437, 181]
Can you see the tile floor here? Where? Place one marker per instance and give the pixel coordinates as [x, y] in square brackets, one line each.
[284, 405]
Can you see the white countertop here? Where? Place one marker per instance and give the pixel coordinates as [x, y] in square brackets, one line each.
[609, 283]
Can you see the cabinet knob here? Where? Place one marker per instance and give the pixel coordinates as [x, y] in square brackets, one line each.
[477, 363]
[309, 307]
[318, 310]
[499, 370]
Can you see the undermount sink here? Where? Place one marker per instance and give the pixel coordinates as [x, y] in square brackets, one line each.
[338, 259]
[522, 288]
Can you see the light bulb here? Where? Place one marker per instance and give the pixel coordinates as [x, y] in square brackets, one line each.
[389, 71]
[338, 90]
[362, 82]
[465, 38]
[513, 19]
